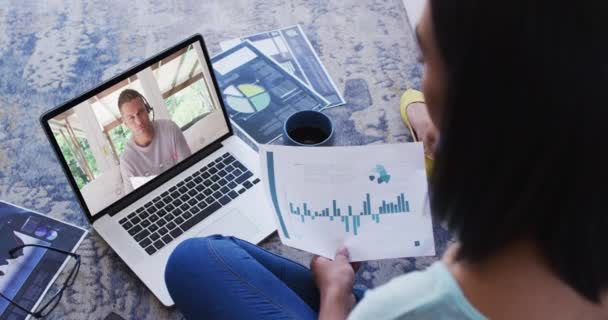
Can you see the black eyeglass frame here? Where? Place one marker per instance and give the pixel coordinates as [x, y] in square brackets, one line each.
[69, 281]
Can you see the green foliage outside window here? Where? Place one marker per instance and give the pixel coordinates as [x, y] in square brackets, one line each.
[88, 155]
[120, 135]
[78, 172]
[189, 104]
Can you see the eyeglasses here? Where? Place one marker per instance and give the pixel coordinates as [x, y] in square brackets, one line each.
[52, 303]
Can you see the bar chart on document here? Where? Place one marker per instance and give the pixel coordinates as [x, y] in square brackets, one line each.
[371, 199]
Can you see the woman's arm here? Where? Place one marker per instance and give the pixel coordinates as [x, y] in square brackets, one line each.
[336, 305]
[335, 280]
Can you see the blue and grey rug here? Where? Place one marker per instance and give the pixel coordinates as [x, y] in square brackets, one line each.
[51, 51]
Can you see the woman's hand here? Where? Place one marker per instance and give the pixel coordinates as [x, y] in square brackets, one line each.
[335, 280]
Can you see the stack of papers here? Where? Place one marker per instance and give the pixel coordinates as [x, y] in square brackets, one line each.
[28, 275]
[266, 77]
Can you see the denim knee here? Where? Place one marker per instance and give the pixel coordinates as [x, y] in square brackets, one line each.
[181, 259]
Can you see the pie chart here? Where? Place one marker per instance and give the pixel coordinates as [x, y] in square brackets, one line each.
[247, 98]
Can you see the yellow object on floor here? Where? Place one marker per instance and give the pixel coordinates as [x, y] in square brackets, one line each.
[411, 96]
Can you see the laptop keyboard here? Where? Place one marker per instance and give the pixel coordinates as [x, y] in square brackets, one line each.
[184, 205]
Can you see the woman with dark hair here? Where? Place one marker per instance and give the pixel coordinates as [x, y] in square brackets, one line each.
[517, 92]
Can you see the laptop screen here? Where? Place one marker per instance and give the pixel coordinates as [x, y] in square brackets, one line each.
[119, 139]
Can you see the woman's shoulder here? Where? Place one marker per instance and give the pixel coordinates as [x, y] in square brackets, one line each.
[429, 294]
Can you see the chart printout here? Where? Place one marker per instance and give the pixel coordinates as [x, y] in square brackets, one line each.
[258, 93]
[291, 48]
[371, 199]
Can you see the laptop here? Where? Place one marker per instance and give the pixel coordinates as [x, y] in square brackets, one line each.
[161, 167]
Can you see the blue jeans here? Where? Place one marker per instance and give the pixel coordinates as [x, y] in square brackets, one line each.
[220, 277]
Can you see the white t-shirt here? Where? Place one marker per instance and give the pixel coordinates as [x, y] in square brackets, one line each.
[168, 147]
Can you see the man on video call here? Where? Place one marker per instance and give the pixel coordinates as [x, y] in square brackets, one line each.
[154, 147]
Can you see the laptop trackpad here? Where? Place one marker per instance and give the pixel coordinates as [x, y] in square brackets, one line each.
[234, 223]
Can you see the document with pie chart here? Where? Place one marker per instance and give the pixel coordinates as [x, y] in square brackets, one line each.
[258, 93]
[291, 48]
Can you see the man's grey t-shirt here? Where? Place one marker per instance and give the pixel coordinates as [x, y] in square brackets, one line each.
[167, 148]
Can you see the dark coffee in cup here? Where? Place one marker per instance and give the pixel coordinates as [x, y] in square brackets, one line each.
[308, 128]
[308, 135]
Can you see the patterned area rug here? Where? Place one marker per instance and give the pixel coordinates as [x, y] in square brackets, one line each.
[51, 51]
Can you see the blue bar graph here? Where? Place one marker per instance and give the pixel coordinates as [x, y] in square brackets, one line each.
[350, 221]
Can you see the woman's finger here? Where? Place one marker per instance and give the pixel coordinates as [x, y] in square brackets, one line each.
[342, 255]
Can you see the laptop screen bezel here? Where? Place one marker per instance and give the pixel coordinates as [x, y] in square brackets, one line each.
[140, 192]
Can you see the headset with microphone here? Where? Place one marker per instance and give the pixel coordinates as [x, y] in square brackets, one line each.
[149, 108]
